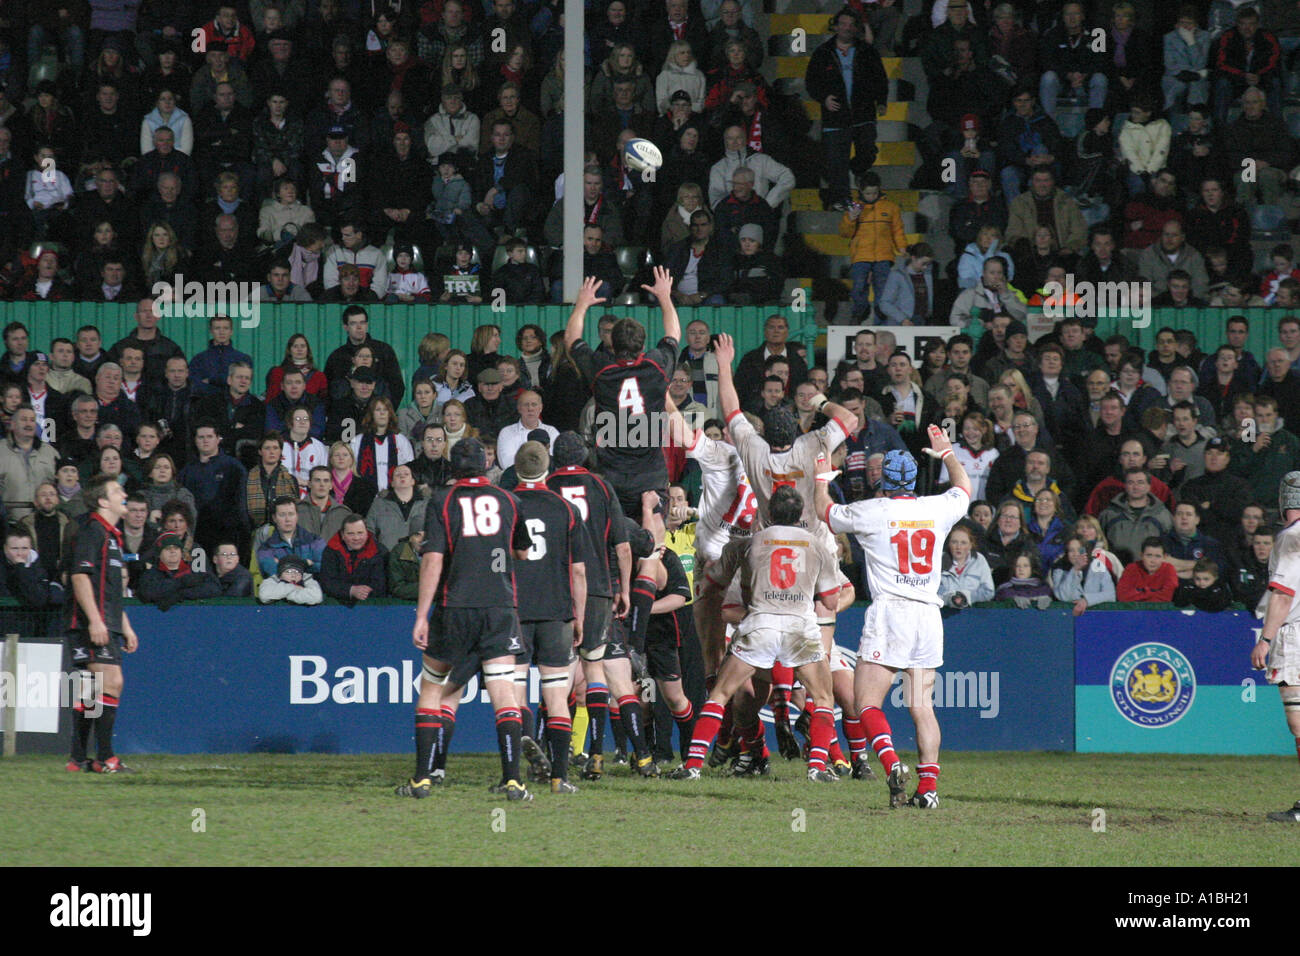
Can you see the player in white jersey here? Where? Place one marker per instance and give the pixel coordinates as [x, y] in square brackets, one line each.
[1277, 651]
[783, 576]
[902, 538]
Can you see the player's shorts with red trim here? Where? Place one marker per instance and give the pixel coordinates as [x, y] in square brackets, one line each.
[1284, 657]
[598, 614]
[763, 639]
[902, 634]
[546, 643]
[85, 652]
[456, 633]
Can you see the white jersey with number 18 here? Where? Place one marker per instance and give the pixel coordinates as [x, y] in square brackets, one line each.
[903, 540]
[727, 504]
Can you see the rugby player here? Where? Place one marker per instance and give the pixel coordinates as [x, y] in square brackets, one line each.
[902, 538]
[1277, 652]
[98, 631]
[472, 537]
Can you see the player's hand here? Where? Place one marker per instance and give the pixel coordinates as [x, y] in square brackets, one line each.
[577, 633]
[587, 296]
[1259, 656]
[132, 640]
[824, 470]
[99, 634]
[420, 633]
[725, 348]
[622, 604]
[939, 443]
[359, 591]
[662, 288]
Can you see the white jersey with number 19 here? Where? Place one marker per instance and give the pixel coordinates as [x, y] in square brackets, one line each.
[903, 540]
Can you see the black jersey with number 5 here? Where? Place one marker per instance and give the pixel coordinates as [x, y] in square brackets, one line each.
[596, 507]
[475, 525]
[544, 585]
[630, 424]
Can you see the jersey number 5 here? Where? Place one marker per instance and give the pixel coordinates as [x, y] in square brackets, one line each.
[629, 397]
[915, 551]
[782, 568]
[576, 495]
[480, 516]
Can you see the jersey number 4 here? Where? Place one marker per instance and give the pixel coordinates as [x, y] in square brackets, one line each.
[629, 397]
[480, 516]
[915, 551]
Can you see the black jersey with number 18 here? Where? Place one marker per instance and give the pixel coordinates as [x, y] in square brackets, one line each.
[475, 526]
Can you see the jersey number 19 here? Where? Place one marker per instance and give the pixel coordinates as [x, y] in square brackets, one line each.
[915, 551]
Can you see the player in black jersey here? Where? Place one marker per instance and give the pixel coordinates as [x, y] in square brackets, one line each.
[553, 580]
[98, 630]
[662, 589]
[608, 587]
[631, 422]
[467, 609]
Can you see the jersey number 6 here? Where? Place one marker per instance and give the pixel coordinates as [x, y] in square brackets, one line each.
[782, 568]
[915, 551]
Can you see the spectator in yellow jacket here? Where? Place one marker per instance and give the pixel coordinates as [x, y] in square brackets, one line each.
[874, 226]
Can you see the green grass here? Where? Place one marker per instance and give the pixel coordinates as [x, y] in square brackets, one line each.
[1013, 808]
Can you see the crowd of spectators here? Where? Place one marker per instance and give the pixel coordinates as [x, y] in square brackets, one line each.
[359, 152]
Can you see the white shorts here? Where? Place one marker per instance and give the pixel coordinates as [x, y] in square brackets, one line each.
[902, 634]
[764, 639]
[1284, 657]
[840, 659]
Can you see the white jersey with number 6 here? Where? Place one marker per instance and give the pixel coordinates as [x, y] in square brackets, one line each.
[902, 539]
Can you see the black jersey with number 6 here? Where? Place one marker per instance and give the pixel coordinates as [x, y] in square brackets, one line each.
[475, 525]
[544, 584]
[597, 507]
[630, 423]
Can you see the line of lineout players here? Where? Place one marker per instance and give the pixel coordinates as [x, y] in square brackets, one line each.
[569, 571]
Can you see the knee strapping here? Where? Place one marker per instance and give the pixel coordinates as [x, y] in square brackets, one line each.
[555, 680]
[594, 654]
[434, 676]
[493, 672]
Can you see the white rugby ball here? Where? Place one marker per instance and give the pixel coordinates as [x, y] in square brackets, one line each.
[641, 154]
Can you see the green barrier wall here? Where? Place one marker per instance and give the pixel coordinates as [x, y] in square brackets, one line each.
[401, 326]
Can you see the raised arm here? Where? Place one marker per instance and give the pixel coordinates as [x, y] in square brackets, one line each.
[941, 448]
[578, 317]
[725, 350]
[662, 290]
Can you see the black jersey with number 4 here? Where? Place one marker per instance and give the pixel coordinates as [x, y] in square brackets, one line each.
[630, 424]
[97, 553]
[596, 507]
[544, 584]
[475, 525]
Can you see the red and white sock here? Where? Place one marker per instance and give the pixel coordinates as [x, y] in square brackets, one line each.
[877, 726]
[782, 684]
[857, 736]
[927, 777]
[706, 728]
[823, 726]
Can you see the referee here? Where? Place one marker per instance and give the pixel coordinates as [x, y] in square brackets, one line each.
[98, 631]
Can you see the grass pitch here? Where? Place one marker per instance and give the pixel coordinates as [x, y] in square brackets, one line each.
[315, 810]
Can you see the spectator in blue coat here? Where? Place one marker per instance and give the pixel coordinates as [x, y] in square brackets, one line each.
[288, 539]
[211, 367]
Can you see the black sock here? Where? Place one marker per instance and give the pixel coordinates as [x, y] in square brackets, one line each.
[559, 734]
[616, 728]
[104, 727]
[597, 706]
[447, 727]
[629, 709]
[81, 728]
[643, 597]
[685, 726]
[427, 725]
[508, 734]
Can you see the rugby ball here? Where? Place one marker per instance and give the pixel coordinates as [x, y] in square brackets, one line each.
[641, 154]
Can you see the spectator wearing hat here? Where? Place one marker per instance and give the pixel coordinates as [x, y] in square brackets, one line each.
[488, 411]
[848, 117]
[765, 131]
[353, 567]
[757, 274]
[972, 152]
[279, 71]
[44, 284]
[49, 403]
[172, 580]
[743, 206]
[405, 284]
[1217, 492]
[352, 404]
[337, 179]
[291, 582]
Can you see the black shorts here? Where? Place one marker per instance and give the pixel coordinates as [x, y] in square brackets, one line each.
[85, 653]
[661, 656]
[484, 633]
[599, 612]
[629, 498]
[546, 643]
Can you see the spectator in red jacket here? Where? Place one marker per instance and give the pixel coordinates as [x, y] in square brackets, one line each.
[225, 30]
[1151, 578]
[353, 566]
